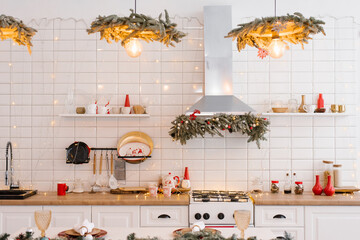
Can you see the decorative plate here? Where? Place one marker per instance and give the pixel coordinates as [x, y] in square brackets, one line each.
[135, 144]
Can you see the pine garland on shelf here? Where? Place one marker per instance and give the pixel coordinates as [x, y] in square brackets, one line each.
[138, 26]
[290, 28]
[10, 28]
[185, 127]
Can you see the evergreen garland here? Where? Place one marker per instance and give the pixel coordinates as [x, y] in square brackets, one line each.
[290, 28]
[185, 127]
[138, 26]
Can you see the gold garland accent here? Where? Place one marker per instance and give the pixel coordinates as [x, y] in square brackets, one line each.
[138, 26]
[10, 28]
[258, 33]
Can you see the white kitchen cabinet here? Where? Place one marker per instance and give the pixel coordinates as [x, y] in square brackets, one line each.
[332, 222]
[68, 216]
[164, 216]
[14, 217]
[280, 219]
[116, 216]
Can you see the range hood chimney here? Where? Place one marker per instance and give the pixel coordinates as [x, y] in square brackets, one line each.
[219, 96]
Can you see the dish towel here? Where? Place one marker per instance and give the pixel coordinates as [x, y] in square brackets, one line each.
[84, 228]
[197, 226]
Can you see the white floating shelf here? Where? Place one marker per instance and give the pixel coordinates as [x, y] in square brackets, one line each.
[306, 114]
[105, 115]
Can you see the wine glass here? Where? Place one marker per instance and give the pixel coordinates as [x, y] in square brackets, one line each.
[42, 220]
[242, 220]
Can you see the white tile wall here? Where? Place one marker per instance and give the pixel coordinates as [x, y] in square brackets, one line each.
[35, 89]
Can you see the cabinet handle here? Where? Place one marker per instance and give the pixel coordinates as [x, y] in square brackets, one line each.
[164, 216]
[280, 238]
[279, 216]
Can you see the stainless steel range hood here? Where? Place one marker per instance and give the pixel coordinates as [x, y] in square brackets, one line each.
[219, 96]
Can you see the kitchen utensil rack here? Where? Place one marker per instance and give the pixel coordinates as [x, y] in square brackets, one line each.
[115, 149]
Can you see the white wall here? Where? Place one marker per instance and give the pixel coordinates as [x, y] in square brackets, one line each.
[167, 81]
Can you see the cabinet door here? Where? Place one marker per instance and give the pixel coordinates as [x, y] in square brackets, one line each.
[116, 216]
[296, 233]
[332, 222]
[164, 216]
[12, 218]
[68, 216]
[279, 216]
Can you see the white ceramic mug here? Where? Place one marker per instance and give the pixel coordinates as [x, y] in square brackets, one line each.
[125, 110]
[167, 191]
[103, 110]
[91, 108]
[185, 183]
[309, 108]
[115, 110]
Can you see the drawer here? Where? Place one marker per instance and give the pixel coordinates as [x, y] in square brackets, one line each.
[296, 233]
[164, 216]
[279, 216]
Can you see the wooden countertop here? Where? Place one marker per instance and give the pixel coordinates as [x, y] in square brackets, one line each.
[51, 198]
[308, 198]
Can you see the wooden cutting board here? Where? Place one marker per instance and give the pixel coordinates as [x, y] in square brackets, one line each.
[125, 190]
[347, 189]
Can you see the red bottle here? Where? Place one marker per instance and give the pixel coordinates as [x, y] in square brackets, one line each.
[317, 189]
[320, 102]
[329, 190]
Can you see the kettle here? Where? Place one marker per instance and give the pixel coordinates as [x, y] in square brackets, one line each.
[170, 181]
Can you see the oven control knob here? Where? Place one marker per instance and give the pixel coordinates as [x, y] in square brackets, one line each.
[197, 216]
[206, 216]
[221, 216]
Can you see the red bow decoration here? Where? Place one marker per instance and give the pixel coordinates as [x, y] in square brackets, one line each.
[193, 116]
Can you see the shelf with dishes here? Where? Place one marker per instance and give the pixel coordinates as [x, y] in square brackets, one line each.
[105, 115]
[306, 114]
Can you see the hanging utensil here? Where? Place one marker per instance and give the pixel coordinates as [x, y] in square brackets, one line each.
[112, 180]
[98, 180]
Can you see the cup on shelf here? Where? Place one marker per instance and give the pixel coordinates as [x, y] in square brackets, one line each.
[91, 108]
[115, 110]
[341, 108]
[334, 108]
[309, 108]
[80, 110]
[125, 110]
[103, 110]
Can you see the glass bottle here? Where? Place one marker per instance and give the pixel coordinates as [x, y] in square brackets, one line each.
[328, 171]
[287, 185]
[293, 181]
[337, 175]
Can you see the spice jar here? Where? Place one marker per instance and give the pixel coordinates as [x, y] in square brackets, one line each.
[338, 175]
[328, 171]
[274, 186]
[299, 188]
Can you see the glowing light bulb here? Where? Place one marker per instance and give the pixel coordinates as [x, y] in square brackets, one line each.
[133, 48]
[276, 48]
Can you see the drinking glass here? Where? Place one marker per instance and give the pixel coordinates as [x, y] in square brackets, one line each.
[242, 220]
[42, 220]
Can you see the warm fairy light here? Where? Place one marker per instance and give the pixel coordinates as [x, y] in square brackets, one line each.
[166, 87]
[133, 48]
[196, 68]
[10, 64]
[187, 108]
[52, 123]
[14, 126]
[56, 38]
[157, 60]
[13, 103]
[194, 86]
[100, 86]
[157, 81]
[276, 48]
[52, 76]
[56, 102]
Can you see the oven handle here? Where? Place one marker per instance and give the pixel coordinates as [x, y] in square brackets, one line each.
[164, 216]
[279, 216]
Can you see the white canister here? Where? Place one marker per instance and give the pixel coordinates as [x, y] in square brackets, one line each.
[91, 108]
[338, 179]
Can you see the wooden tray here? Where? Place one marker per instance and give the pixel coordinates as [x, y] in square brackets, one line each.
[182, 231]
[127, 190]
[71, 234]
[348, 189]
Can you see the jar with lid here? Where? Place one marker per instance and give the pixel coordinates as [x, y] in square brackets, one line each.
[337, 175]
[287, 185]
[299, 187]
[328, 171]
[274, 186]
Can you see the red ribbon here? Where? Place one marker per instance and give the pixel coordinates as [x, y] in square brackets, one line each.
[193, 116]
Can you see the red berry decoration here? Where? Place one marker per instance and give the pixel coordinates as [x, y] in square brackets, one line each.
[262, 53]
[265, 119]
[251, 128]
[208, 122]
[223, 129]
[182, 121]
[229, 127]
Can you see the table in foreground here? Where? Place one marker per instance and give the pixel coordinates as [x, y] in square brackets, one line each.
[162, 233]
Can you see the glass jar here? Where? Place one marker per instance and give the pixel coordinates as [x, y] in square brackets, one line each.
[299, 188]
[338, 180]
[328, 171]
[274, 186]
[287, 185]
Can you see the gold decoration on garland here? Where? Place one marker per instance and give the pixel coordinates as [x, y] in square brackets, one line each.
[290, 28]
[138, 26]
[10, 28]
[185, 127]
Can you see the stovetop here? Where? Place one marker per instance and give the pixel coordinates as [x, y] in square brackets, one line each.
[219, 196]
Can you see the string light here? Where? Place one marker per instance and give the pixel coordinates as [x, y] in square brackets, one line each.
[276, 48]
[133, 48]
